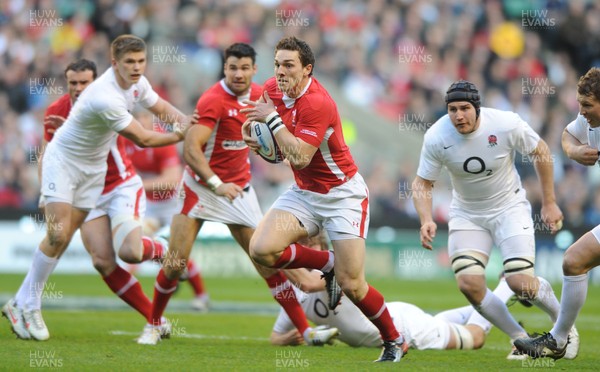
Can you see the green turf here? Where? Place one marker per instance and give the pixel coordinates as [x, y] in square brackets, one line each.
[103, 340]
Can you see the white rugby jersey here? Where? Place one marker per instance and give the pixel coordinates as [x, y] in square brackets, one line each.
[580, 129]
[481, 164]
[355, 329]
[103, 109]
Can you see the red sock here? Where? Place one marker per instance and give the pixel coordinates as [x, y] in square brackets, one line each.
[374, 308]
[129, 289]
[153, 249]
[163, 290]
[296, 256]
[283, 293]
[195, 278]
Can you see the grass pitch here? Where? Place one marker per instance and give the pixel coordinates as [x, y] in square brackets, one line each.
[97, 333]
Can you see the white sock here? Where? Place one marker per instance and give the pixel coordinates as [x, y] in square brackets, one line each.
[503, 292]
[306, 333]
[23, 292]
[493, 309]
[573, 296]
[546, 299]
[457, 316]
[41, 268]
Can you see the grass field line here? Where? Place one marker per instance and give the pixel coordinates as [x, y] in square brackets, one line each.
[175, 305]
[195, 336]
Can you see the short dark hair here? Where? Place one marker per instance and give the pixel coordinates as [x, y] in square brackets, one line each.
[82, 65]
[125, 44]
[240, 50]
[306, 55]
[589, 84]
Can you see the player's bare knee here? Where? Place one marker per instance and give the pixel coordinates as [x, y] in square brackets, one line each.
[469, 269]
[57, 239]
[265, 257]
[353, 288]
[174, 268]
[478, 337]
[473, 287]
[127, 254]
[174, 263]
[472, 291]
[573, 264]
[525, 287]
[103, 265]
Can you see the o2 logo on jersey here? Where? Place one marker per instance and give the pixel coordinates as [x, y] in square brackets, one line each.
[492, 140]
[321, 309]
[476, 165]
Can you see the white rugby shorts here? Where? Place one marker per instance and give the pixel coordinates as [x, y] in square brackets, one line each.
[343, 212]
[127, 199]
[197, 201]
[63, 179]
[493, 229]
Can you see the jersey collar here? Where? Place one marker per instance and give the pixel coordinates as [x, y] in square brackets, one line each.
[230, 92]
[289, 102]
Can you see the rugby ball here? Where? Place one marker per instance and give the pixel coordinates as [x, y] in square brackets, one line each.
[268, 145]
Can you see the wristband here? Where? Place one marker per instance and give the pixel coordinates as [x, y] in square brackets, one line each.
[214, 182]
[274, 122]
[177, 130]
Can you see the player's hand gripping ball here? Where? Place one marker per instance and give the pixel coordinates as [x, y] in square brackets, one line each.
[268, 146]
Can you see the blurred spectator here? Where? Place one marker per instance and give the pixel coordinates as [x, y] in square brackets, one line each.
[392, 58]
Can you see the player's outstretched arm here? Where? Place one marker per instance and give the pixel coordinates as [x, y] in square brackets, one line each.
[575, 150]
[168, 113]
[149, 138]
[422, 199]
[543, 163]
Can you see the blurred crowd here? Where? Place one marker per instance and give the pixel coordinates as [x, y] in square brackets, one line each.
[390, 57]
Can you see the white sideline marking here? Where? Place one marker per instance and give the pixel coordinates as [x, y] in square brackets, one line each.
[196, 336]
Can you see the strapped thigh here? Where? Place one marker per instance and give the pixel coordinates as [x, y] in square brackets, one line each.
[464, 338]
[469, 263]
[125, 224]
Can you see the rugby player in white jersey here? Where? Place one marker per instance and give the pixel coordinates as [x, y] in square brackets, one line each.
[477, 145]
[460, 328]
[74, 166]
[581, 142]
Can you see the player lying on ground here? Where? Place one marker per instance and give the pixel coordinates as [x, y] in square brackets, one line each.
[461, 328]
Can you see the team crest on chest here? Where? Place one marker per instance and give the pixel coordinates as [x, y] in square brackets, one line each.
[492, 140]
[136, 94]
[294, 118]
